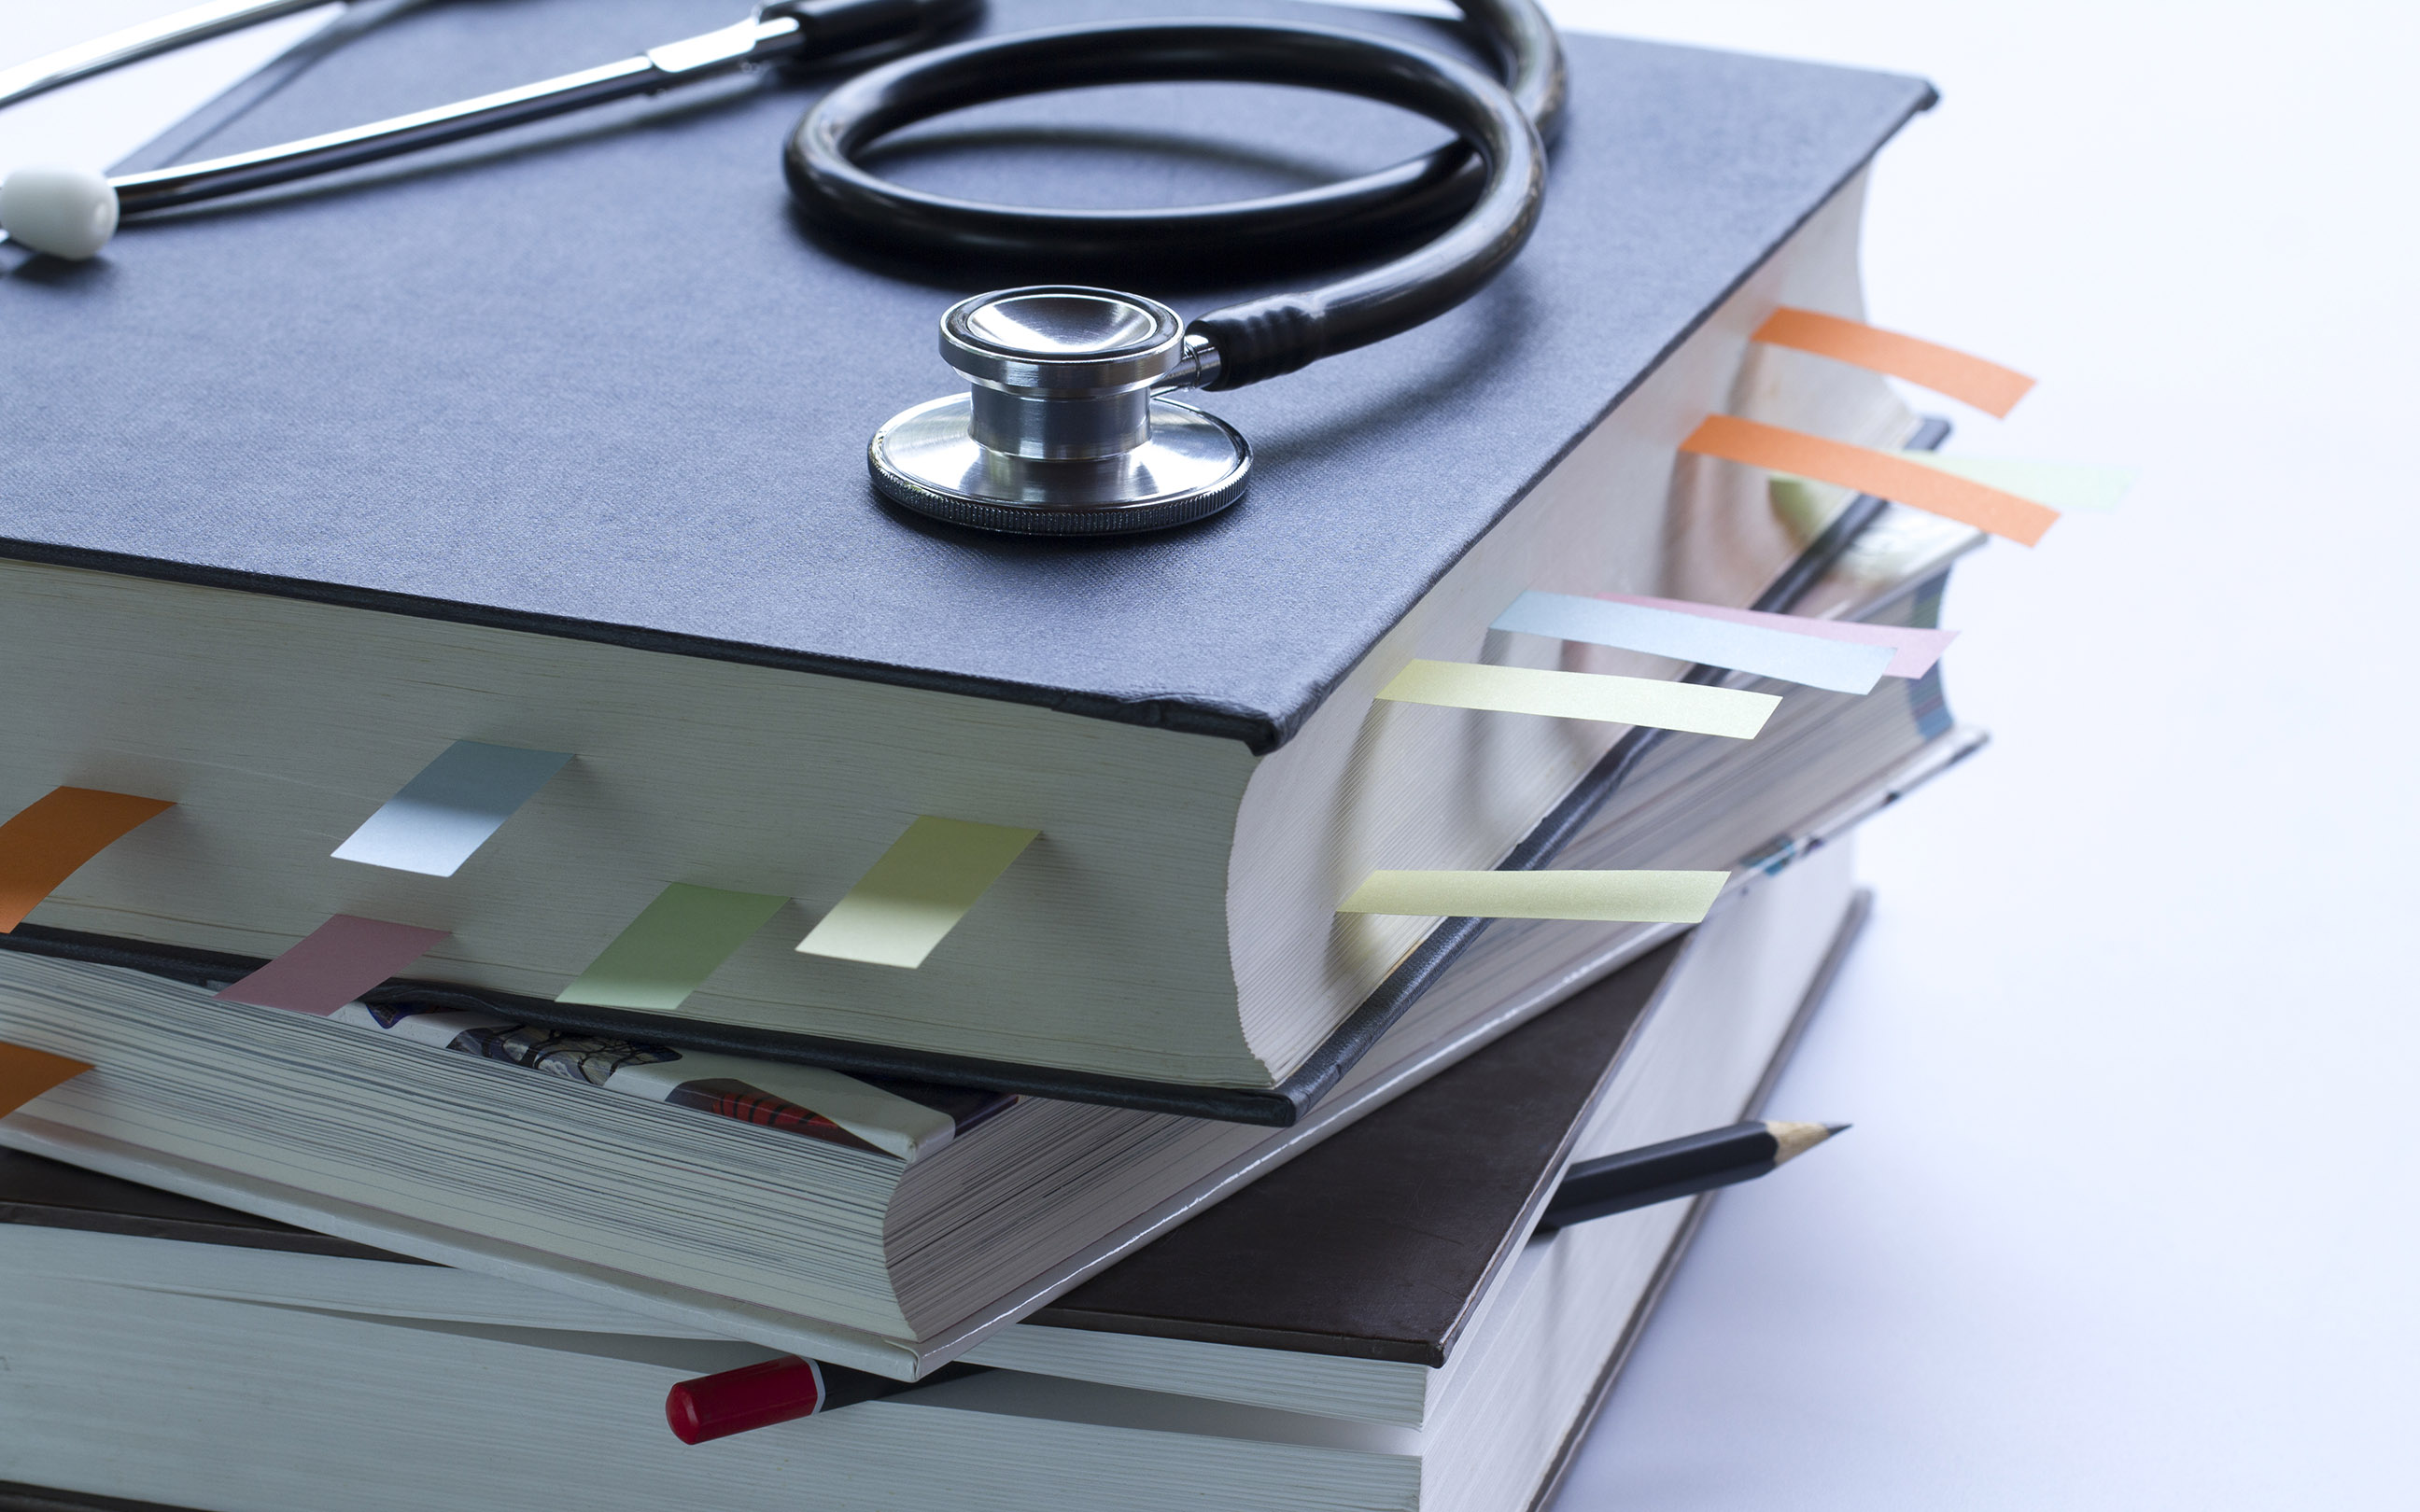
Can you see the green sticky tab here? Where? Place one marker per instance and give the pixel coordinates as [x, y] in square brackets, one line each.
[1804, 505]
[917, 893]
[2059, 485]
[669, 950]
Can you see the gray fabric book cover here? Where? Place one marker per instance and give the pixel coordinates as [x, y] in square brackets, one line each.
[593, 379]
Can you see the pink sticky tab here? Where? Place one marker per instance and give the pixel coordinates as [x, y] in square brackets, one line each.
[1913, 651]
[333, 965]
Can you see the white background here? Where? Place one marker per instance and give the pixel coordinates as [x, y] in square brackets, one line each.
[2127, 1219]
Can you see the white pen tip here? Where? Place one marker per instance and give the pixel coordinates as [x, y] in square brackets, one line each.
[67, 212]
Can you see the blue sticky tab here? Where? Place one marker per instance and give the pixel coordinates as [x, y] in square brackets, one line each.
[1842, 666]
[451, 808]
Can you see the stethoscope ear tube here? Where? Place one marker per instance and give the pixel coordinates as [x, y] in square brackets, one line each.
[1262, 338]
[1065, 430]
[65, 215]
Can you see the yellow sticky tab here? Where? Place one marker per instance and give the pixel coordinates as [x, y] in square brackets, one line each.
[1611, 896]
[1648, 700]
[917, 893]
[26, 1074]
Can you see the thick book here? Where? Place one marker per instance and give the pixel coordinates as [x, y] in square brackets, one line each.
[884, 1225]
[1375, 1325]
[554, 440]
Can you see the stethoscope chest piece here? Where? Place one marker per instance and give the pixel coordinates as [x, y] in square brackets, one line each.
[1061, 433]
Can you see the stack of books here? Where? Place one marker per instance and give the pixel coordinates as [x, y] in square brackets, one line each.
[1372, 1324]
[535, 888]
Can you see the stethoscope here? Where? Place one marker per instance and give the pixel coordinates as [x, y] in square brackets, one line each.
[1067, 428]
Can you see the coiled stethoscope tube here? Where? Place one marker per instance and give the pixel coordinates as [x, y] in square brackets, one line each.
[1266, 337]
[1068, 382]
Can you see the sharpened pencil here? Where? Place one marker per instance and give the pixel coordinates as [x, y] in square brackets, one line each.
[1678, 1168]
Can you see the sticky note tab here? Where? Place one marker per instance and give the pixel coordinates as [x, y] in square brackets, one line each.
[917, 893]
[1613, 897]
[333, 965]
[1768, 651]
[1884, 474]
[446, 812]
[1647, 700]
[669, 950]
[1986, 386]
[2061, 485]
[26, 1073]
[1913, 650]
[46, 841]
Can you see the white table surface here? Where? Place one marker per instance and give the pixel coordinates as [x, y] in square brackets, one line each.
[2126, 1220]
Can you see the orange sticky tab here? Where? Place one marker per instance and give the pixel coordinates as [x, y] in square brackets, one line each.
[1986, 386]
[26, 1074]
[56, 834]
[1867, 471]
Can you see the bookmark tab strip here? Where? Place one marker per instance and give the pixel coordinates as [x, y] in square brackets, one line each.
[334, 964]
[50, 838]
[2061, 485]
[26, 1073]
[669, 950]
[1913, 650]
[1643, 700]
[917, 893]
[1866, 471]
[1841, 666]
[439, 817]
[1986, 386]
[1612, 897]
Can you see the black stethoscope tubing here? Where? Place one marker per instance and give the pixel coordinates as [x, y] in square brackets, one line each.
[1490, 181]
[1474, 200]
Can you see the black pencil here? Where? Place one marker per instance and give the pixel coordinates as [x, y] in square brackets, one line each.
[1678, 1168]
[788, 1388]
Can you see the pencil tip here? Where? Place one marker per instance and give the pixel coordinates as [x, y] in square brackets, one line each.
[1791, 1140]
[1830, 1129]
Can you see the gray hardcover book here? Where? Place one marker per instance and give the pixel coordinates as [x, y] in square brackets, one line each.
[556, 440]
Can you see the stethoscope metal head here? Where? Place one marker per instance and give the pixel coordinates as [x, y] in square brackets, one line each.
[1065, 430]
